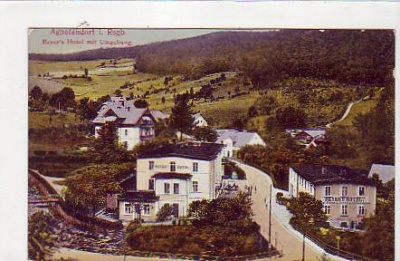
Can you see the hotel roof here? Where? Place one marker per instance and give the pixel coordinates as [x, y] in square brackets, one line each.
[202, 151]
[171, 175]
[331, 174]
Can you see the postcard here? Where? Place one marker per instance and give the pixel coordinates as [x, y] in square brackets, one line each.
[221, 142]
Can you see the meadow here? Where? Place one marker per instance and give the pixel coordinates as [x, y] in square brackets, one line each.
[323, 101]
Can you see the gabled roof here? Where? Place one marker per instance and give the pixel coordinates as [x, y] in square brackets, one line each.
[197, 150]
[159, 115]
[331, 174]
[171, 175]
[239, 138]
[385, 172]
[313, 132]
[129, 182]
[197, 115]
[124, 115]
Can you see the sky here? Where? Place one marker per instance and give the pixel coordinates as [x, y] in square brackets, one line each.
[64, 40]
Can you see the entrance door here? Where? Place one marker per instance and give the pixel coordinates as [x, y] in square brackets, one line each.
[175, 210]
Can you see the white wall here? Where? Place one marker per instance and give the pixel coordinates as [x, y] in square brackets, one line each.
[298, 184]
[131, 138]
[227, 151]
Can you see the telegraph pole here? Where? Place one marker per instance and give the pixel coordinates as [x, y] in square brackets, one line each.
[270, 207]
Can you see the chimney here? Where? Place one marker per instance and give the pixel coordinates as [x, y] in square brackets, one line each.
[323, 170]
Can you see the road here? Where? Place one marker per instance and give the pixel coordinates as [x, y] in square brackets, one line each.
[287, 241]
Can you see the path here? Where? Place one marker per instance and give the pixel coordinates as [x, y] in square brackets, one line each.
[346, 113]
[89, 256]
[283, 236]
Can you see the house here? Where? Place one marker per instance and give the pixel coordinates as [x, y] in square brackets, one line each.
[348, 196]
[134, 125]
[174, 174]
[234, 140]
[385, 172]
[159, 115]
[199, 120]
[312, 137]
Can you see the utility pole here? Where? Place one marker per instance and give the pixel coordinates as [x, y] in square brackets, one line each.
[304, 245]
[270, 207]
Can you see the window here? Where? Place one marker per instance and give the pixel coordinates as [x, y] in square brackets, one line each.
[344, 191]
[361, 191]
[361, 210]
[151, 165]
[151, 184]
[128, 208]
[327, 191]
[344, 210]
[172, 167]
[176, 188]
[195, 166]
[166, 188]
[126, 132]
[146, 209]
[327, 209]
[195, 185]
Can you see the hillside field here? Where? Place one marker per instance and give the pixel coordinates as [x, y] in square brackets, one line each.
[232, 97]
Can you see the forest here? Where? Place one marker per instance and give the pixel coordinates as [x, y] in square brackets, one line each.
[362, 57]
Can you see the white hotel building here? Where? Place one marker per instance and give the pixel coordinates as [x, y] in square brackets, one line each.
[174, 174]
[347, 195]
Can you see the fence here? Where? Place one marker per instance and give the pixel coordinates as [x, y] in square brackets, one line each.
[331, 249]
[62, 211]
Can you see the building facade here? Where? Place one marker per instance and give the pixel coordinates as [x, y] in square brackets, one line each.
[348, 196]
[199, 120]
[234, 140]
[176, 174]
[134, 126]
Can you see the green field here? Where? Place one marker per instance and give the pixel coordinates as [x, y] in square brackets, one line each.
[221, 113]
[360, 108]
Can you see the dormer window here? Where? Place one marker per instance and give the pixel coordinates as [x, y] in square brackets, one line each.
[361, 191]
[172, 166]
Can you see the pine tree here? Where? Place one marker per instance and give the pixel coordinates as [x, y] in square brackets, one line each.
[181, 117]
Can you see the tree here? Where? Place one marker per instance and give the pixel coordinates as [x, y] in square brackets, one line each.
[290, 117]
[164, 213]
[266, 104]
[106, 147]
[205, 134]
[36, 92]
[198, 208]
[232, 213]
[238, 124]
[87, 109]
[40, 236]
[181, 118]
[88, 186]
[379, 237]
[118, 92]
[252, 112]
[307, 212]
[63, 99]
[141, 104]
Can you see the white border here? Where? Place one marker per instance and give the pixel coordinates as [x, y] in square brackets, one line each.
[17, 17]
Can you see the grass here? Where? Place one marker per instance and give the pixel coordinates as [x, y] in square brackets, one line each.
[42, 120]
[360, 108]
[221, 113]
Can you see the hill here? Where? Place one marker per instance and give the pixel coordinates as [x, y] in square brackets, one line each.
[349, 56]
